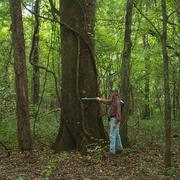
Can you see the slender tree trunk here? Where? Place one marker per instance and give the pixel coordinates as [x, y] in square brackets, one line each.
[23, 125]
[80, 121]
[126, 70]
[131, 109]
[35, 56]
[178, 10]
[59, 59]
[174, 92]
[178, 45]
[167, 101]
[178, 92]
[146, 113]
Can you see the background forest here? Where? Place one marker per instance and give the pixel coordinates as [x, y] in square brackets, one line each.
[127, 43]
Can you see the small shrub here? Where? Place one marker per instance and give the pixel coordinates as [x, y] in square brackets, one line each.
[170, 171]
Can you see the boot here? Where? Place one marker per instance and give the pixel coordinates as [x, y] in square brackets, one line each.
[119, 151]
[108, 154]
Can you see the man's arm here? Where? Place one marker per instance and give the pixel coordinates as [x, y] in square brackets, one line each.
[104, 101]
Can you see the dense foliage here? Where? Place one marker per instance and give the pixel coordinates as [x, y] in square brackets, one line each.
[146, 79]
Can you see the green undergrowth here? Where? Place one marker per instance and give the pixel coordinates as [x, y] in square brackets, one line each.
[44, 127]
[149, 131]
[140, 131]
[48, 169]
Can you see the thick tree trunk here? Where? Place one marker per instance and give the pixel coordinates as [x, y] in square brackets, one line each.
[80, 121]
[146, 113]
[23, 125]
[126, 71]
[35, 56]
[167, 101]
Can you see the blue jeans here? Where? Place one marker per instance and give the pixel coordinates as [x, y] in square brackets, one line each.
[114, 136]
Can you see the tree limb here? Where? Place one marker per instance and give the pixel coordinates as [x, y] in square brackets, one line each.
[150, 22]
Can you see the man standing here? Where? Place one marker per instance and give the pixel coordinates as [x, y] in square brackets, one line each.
[114, 118]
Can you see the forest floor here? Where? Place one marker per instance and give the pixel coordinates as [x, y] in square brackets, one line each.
[137, 162]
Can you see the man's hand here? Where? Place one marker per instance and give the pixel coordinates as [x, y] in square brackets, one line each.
[98, 98]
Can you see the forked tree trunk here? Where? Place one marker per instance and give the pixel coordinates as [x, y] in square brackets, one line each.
[126, 71]
[167, 100]
[80, 121]
[23, 125]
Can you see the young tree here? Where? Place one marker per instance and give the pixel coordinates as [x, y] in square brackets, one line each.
[35, 55]
[167, 101]
[126, 57]
[178, 54]
[80, 121]
[146, 112]
[23, 125]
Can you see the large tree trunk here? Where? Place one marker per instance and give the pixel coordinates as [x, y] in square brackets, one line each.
[80, 122]
[35, 56]
[167, 101]
[146, 113]
[23, 125]
[126, 71]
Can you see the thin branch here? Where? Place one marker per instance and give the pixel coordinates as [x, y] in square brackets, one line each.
[171, 14]
[111, 20]
[43, 17]
[53, 8]
[157, 31]
[173, 24]
[49, 112]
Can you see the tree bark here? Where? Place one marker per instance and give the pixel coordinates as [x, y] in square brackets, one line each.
[167, 101]
[178, 10]
[146, 113]
[23, 125]
[80, 122]
[131, 106]
[35, 56]
[178, 49]
[126, 57]
[174, 92]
